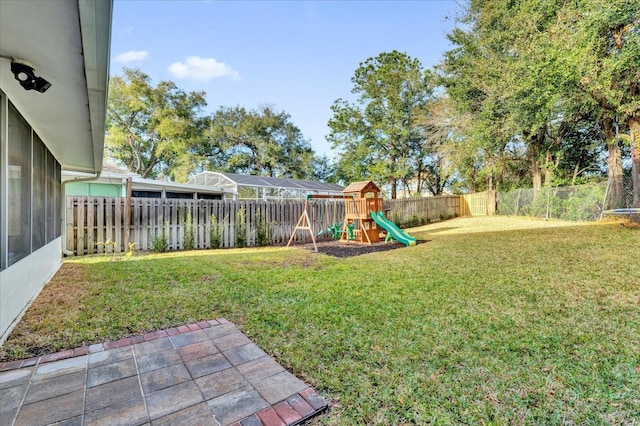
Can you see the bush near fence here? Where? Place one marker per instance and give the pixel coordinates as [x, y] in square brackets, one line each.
[574, 203]
[91, 222]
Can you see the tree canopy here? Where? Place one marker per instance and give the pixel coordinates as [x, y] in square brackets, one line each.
[380, 136]
[258, 142]
[151, 129]
[532, 93]
[537, 87]
[162, 132]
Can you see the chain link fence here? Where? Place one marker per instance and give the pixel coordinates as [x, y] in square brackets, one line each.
[576, 203]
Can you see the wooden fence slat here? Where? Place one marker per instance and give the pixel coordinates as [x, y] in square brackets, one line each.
[100, 224]
[108, 218]
[81, 231]
[91, 225]
[119, 205]
[69, 225]
[135, 233]
[202, 214]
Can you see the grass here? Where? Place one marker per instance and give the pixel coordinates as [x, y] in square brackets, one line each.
[494, 321]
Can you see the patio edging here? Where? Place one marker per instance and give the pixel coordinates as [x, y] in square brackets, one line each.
[292, 411]
[99, 347]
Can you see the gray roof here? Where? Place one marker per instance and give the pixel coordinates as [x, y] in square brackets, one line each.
[115, 170]
[271, 182]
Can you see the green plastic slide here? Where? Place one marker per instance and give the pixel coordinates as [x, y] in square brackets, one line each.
[397, 233]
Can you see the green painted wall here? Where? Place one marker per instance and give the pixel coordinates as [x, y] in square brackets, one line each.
[89, 189]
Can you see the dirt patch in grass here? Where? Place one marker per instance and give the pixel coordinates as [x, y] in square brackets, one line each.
[71, 280]
[341, 249]
[35, 333]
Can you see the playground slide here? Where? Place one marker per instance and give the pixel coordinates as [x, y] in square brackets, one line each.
[397, 233]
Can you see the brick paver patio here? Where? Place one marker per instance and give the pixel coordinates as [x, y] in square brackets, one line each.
[206, 373]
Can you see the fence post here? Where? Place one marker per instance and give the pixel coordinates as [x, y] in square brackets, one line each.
[127, 215]
[491, 202]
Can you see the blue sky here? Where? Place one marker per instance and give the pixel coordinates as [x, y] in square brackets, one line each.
[298, 56]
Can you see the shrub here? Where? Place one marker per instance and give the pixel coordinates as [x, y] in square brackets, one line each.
[215, 232]
[263, 231]
[188, 243]
[131, 249]
[108, 244]
[240, 230]
[160, 243]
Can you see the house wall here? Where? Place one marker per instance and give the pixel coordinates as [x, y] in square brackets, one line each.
[22, 282]
[91, 189]
[30, 215]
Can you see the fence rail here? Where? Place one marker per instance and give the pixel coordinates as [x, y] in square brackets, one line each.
[106, 224]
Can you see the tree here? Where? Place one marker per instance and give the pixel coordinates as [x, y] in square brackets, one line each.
[151, 129]
[324, 170]
[513, 73]
[481, 129]
[379, 136]
[258, 142]
[605, 40]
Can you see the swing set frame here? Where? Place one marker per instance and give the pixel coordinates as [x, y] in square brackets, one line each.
[304, 222]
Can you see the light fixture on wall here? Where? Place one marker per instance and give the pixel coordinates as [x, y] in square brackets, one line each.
[25, 74]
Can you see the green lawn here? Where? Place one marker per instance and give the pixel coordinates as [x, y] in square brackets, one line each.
[495, 320]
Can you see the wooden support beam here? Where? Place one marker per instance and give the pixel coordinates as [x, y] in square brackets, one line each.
[304, 223]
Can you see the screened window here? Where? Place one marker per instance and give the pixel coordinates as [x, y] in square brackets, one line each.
[39, 210]
[3, 250]
[209, 196]
[146, 194]
[57, 198]
[179, 195]
[52, 209]
[19, 187]
[30, 189]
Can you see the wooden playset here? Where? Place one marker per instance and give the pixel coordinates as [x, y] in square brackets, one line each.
[361, 199]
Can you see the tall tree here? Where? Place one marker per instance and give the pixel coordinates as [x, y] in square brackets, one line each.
[513, 72]
[258, 142]
[379, 135]
[324, 169]
[605, 44]
[151, 129]
[481, 127]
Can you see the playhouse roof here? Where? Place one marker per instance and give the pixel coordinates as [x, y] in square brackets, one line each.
[360, 187]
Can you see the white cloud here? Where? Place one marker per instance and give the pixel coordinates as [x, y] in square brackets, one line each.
[132, 55]
[126, 30]
[202, 69]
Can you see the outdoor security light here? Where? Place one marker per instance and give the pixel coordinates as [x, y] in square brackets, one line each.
[25, 74]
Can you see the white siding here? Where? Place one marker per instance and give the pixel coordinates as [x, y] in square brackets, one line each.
[23, 281]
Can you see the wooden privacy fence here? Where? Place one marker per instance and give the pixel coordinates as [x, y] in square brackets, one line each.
[91, 222]
[418, 211]
[478, 204]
